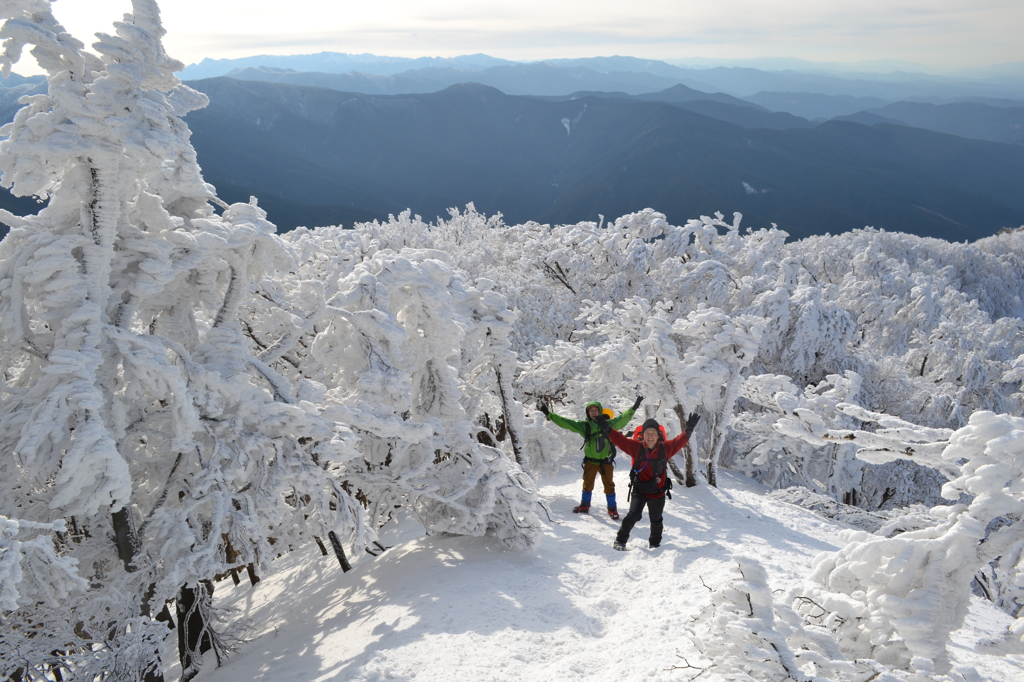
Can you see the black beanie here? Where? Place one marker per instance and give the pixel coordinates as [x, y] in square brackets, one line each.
[651, 424]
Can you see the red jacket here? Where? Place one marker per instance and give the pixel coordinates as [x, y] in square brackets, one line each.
[638, 452]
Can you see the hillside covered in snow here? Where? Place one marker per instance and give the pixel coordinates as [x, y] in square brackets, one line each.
[448, 608]
[348, 418]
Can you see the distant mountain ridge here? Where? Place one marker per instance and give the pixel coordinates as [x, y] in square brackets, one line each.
[329, 164]
[714, 105]
[518, 79]
[13, 89]
[337, 62]
[814, 105]
[676, 93]
[966, 119]
[738, 81]
[15, 80]
[348, 157]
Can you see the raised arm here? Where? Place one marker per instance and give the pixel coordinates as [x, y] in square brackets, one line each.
[570, 424]
[623, 419]
[679, 442]
[676, 444]
[630, 447]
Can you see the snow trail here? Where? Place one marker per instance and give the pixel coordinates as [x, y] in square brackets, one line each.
[446, 608]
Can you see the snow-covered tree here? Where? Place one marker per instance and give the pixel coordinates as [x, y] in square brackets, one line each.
[897, 599]
[419, 364]
[36, 574]
[778, 433]
[718, 348]
[1002, 582]
[133, 410]
[745, 635]
[632, 353]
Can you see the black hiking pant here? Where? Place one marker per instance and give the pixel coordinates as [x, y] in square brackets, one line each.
[655, 506]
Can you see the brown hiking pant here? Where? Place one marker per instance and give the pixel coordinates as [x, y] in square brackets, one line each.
[590, 470]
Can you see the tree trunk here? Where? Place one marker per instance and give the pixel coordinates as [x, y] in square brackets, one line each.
[251, 570]
[677, 473]
[99, 219]
[718, 437]
[126, 539]
[724, 416]
[339, 551]
[691, 464]
[194, 637]
[505, 391]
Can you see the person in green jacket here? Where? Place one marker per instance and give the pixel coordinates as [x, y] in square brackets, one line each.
[598, 450]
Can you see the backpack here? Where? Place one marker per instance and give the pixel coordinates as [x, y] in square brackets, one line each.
[600, 444]
[658, 466]
[639, 433]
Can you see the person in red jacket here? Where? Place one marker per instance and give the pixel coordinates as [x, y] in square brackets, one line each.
[649, 474]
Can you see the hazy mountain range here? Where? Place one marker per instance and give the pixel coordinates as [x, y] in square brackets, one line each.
[715, 105]
[601, 136]
[545, 78]
[337, 62]
[518, 79]
[316, 156]
[13, 88]
[1003, 81]
[967, 119]
[814, 96]
[652, 80]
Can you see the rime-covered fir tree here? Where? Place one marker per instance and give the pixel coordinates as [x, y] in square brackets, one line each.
[140, 436]
[418, 362]
[896, 597]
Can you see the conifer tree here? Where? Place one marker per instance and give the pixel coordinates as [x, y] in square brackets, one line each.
[137, 430]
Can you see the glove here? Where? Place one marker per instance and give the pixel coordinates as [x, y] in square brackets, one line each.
[639, 399]
[691, 422]
[543, 408]
[603, 425]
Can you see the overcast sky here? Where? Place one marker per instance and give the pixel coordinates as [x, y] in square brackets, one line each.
[942, 34]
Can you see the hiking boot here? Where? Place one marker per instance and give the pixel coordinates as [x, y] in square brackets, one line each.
[655, 545]
[581, 509]
[614, 513]
[621, 546]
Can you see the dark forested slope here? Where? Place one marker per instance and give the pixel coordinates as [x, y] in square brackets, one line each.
[966, 119]
[347, 157]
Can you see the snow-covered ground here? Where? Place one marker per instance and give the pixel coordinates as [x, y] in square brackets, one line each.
[445, 608]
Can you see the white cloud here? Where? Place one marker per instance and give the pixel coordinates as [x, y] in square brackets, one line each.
[937, 32]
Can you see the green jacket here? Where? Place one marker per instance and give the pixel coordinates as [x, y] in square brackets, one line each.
[596, 446]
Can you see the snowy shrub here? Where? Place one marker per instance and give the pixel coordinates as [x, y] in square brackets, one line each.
[719, 348]
[745, 635]
[36, 577]
[1002, 581]
[900, 483]
[777, 435]
[418, 363]
[931, 336]
[898, 598]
